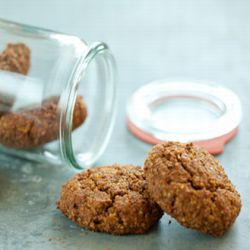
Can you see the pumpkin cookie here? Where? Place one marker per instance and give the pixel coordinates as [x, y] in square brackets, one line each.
[191, 186]
[15, 58]
[112, 199]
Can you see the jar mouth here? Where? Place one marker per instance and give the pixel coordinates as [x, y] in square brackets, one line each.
[96, 147]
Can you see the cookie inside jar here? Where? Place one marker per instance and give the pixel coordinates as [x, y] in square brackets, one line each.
[27, 119]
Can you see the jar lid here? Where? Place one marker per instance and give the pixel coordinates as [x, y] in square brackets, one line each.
[199, 112]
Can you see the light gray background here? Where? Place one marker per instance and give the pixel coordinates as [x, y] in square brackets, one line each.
[150, 40]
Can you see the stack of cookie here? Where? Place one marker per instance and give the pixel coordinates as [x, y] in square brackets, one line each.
[31, 126]
[183, 180]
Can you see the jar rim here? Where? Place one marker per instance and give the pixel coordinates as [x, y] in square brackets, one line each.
[68, 99]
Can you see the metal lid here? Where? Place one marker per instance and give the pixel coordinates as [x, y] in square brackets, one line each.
[203, 113]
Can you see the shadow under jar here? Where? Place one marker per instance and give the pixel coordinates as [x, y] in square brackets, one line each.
[57, 96]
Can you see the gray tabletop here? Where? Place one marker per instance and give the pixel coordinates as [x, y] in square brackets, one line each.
[151, 40]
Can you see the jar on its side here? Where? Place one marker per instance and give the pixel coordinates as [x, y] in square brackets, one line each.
[57, 96]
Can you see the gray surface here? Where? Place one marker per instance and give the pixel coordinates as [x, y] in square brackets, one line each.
[151, 40]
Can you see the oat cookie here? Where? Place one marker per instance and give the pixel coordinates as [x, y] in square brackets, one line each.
[32, 127]
[15, 58]
[112, 199]
[191, 186]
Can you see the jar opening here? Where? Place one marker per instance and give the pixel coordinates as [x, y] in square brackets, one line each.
[93, 79]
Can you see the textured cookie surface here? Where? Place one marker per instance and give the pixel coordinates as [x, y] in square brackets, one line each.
[191, 186]
[111, 199]
[15, 58]
[32, 127]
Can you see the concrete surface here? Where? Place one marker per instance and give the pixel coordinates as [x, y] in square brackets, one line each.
[194, 39]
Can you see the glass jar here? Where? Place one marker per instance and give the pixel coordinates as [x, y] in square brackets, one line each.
[57, 96]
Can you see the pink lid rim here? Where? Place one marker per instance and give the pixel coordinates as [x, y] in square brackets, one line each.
[213, 146]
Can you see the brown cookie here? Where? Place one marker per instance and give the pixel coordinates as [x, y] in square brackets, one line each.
[32, 127]
[15, 58]
[112, 199]
[191, 186]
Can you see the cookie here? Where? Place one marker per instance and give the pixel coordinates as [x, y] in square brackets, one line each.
[112, 199]
[192, 187]
[32, 127]
[15, 58]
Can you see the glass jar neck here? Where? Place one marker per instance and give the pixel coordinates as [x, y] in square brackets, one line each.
[106, 73]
